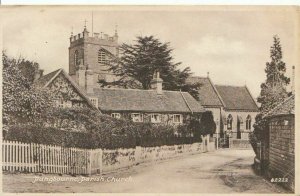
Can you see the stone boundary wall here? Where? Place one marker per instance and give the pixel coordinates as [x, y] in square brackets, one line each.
[121, 158]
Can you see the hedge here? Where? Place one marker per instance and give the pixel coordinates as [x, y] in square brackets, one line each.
[84, 128]
[90, 140]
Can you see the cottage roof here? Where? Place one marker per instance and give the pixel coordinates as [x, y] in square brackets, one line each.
[45, 80]
[236, 98]
[146, 100]
[284, 108]
[208, 94]
[42, 81]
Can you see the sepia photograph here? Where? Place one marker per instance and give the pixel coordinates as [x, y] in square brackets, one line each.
[149, 99]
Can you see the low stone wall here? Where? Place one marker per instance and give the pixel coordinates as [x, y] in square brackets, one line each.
[120, 158]
[239, 143]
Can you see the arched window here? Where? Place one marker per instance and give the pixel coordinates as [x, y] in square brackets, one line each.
[248, 122]
[76, 57]
[229, 122]
[102, 56]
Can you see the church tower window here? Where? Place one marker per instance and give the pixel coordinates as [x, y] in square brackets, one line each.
[102, 56]
[76, 57]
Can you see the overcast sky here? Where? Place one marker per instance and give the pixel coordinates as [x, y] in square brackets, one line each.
[232, 43]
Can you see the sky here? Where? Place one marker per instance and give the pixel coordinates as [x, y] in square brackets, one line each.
[232, 43]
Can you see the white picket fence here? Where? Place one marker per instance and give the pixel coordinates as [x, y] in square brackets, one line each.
[38, 158]
[18, 156]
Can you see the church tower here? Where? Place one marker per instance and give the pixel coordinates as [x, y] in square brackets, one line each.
[88, 58]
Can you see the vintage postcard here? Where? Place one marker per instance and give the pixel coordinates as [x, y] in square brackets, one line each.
[149, 99]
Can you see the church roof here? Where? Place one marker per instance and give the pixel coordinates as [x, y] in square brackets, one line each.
[208, 95]
[45, 80]
[236, 98]
[146, 101]
[284, 108]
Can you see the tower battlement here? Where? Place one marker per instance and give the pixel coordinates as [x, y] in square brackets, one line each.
[95, 37]
[92, 51]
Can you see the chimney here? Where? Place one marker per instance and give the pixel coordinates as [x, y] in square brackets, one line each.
[38, 74]
[293, 80]
[156, 83]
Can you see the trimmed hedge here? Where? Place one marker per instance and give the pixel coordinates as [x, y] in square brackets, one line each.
[91, 139]
[84, 128]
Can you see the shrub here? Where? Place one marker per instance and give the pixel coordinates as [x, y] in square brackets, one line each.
[86, 128]
[207, 125]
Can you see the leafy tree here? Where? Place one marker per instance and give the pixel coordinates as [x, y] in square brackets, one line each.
[22, 103]
[273, 90]
[207, 124]
[138, 62]
[28, 69]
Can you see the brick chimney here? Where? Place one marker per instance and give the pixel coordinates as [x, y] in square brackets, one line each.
[156, 83]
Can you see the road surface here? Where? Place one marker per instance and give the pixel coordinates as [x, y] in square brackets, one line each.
[222, 171]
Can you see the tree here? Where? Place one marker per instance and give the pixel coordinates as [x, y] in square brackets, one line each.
[207, 124]
[28, 69]
[138, 62]
[273, 90]
[22, 102]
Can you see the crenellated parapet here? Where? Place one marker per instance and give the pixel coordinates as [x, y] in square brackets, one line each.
[98, 38]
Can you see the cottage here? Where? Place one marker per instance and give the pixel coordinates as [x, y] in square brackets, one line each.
[66, 92]
[233, 107]
[155, 105]
[278, 147]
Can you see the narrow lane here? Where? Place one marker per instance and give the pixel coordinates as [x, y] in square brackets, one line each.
[222, 171]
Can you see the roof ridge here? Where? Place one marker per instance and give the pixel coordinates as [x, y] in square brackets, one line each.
[135, 89]
[221, 85]
[198, 77]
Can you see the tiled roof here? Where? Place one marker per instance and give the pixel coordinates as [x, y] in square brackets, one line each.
[42, 81]
[145, 100]
[207, 92]
[45, 80]
[286, 107]
[236, 98]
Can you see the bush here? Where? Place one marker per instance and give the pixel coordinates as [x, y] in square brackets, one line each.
[84, 128]
[207, 125]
